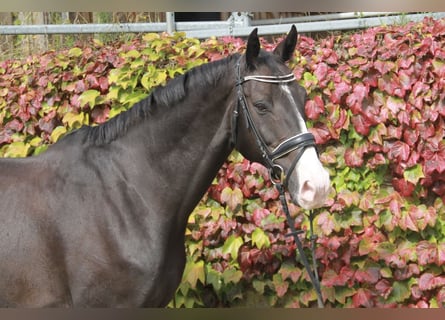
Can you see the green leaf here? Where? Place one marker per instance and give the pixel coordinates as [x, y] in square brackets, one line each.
[414, 174]
[193, 272]
[386, 272]
[232, 245]
[231, 275]
[260, 239]
[115, 111]
[132, 54]
[35, 142]
[75, 52]
[113, 93]
[213, 277]
[17, 149]
[400, 292]
[38, 150]
[341, 293]
[75, 120]
[89, 97]
[130, 99]
[258, 286]
[57, 133]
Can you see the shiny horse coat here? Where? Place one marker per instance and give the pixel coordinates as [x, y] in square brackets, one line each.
[98, 220]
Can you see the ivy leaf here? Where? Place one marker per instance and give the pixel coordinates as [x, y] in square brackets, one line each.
[314, 108]
[426, 281]
[440, 254]
[17, 149]
[260, 239]
[426, 252]
[362, 298]
[74, 120]
[398, 151]
[75, 52]
[404, 187]
[342, 293]
[57, 133]
[407, 222]
[259, 286]
[231, 246]
[193, 272]
[89, 97]
[414, 174]
[280, 285]
[231, 275]
[232, 197]
[395, 104]
[325, 222]
[290, 271]
[213, 277]
[400, 292]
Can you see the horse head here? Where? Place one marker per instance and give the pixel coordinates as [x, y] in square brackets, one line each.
[272, 128]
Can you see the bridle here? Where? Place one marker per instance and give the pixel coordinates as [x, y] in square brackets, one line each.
[298, 142]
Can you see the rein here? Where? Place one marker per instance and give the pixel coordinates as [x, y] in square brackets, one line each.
[297, 142]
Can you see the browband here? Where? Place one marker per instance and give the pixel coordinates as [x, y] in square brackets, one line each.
[269, 79]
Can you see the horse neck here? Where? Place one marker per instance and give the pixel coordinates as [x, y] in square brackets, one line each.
[185, 145]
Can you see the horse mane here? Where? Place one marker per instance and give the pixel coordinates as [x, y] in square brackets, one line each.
[196, 79]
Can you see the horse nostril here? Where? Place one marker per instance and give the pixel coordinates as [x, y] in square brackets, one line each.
[308, 191]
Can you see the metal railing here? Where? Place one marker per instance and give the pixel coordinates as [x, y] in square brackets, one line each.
[238, 24]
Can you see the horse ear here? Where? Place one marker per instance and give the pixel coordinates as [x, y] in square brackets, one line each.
[286, 47]
[253, 47]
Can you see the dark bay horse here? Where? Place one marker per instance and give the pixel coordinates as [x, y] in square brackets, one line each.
[99, 218]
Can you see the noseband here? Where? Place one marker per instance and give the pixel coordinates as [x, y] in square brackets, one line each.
[278, 177]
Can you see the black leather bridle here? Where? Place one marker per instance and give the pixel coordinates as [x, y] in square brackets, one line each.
[298, 142]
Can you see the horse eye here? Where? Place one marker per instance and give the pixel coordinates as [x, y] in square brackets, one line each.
[262, 107]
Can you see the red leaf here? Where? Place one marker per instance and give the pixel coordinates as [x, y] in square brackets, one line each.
[14, 125]
[354, 157]
[426, 281]
[384, 66]
[370, 275]
[321, 133]
[269, 193]
[100, 114]
[103, 84]
[406, 221]
[361, 124]
[395, 105]
[398, 150]
[321, 71]
[377, 160]
[80, 86]
[331, 278]
[384, 288]
[426, 252]
[340, 89]
[362, 298]
[314, 108]
[325, 222]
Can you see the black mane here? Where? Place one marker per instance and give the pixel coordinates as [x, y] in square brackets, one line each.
[199, 78]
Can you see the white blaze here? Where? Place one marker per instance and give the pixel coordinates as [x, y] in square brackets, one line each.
[309, 183]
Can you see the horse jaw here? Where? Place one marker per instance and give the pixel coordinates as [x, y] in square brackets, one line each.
[309, 184]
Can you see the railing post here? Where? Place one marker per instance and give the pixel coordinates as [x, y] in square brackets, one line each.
[171, 24]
